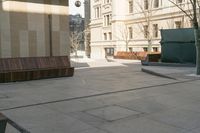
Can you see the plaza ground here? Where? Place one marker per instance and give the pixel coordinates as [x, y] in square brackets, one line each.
[112, 96]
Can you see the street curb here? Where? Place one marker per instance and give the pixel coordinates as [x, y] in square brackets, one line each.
[145, 63]
[156, 74]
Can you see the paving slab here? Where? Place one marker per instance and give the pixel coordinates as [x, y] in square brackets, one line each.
[195, 131]
[85, 82]
[181, 118]
[11, 129]
[43, 120]
[89, 119]
[132, 101]
[112, 113]
[178, 73]
[140, 125]
[94, 131]
[146, 105]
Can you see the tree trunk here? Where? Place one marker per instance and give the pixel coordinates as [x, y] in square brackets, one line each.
[76, 54]
[197, 43]
[126, 47]
[149, 46]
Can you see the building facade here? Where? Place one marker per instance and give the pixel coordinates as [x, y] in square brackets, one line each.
[132, 25]
[87, 27]
[34, 28]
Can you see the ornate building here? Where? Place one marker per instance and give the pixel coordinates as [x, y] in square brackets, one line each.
[132, 25]
[33, 28]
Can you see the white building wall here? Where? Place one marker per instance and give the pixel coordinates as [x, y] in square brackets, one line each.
[165, 16]
[98, 52]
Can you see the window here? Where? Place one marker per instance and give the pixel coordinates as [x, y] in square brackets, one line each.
[110, 35]
[155, 30]
[155, 49]
[156, 3]
[130, 49]
[130, 6]
[145, 49]
[146, 5]
[105, 36]
[179, 1]
[145, 31]
[107, 20]
[109, 51]
[130, 30]
[178, 24]
[107, 1]
[97, 12]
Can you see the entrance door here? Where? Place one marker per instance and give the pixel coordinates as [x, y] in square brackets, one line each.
[109, 52]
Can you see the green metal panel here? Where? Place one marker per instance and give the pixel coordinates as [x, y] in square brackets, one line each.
[178, 46]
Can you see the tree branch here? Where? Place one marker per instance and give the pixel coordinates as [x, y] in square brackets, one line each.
[185, 12]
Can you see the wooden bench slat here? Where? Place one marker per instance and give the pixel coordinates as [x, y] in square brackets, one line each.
[28, 68]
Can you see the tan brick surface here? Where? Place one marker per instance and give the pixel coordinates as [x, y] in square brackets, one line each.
[25, 28]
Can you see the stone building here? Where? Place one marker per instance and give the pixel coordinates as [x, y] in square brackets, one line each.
[87, 27]
[132, 25]
[34, 28]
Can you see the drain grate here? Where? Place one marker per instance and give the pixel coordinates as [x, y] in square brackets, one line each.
[112, 113]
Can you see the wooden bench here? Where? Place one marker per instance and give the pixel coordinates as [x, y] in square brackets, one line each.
[32, 68]
[153, 57]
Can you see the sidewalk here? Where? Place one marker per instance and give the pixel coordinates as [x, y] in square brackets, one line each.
[92, 63]
[116, 98]
[174, 72]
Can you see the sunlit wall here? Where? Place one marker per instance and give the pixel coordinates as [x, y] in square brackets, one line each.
[28, 28]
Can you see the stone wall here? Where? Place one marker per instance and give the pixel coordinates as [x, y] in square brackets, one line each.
[25, 27]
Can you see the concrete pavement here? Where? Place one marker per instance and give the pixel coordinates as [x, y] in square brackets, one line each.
[173, 72]
[113, 97]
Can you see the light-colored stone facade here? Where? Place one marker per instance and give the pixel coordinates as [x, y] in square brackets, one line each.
[33, 28]
[114, 21]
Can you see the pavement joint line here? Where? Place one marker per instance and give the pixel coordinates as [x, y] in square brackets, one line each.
[95, 95]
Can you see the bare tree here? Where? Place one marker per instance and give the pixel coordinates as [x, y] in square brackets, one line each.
[146, 9]
[75, 39]
[124, 35]
[192, 15]
[87, 41]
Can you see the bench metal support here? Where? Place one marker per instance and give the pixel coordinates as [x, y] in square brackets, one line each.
[3, 123]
